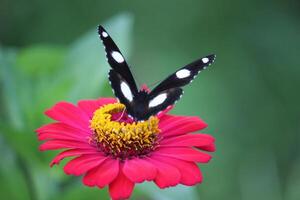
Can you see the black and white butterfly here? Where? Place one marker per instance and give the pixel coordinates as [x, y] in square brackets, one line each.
[141, 104]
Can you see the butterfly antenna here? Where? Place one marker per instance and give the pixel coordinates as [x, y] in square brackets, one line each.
[121, 114]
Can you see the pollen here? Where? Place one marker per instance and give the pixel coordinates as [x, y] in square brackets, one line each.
[120, 138]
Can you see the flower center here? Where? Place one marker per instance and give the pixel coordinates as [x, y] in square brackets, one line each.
[119, 136]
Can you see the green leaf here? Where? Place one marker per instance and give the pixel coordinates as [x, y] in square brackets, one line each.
[11, 102]
[78, 191]
[14, 182]
[39, 60]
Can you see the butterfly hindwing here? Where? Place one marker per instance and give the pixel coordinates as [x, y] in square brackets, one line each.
[184, 75]
[116, 60]
[121, 89]
[160, 101]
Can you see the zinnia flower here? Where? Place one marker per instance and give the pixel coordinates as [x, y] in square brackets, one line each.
[110, 149]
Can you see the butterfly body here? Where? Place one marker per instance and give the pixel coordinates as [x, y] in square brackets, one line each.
[141, 104]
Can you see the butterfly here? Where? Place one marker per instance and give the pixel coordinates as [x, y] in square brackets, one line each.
[141, 104]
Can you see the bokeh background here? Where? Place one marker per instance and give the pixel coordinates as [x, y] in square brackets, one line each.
[50, 51]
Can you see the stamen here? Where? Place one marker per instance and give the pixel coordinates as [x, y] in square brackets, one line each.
[121, 139]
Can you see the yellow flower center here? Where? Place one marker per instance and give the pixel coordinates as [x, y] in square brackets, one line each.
[123, 139]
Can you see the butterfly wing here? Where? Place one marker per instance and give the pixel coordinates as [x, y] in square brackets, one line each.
[122, 90]
[160, 101]
[121, 73]
[169, 90]
[184, 75]
[162, 96]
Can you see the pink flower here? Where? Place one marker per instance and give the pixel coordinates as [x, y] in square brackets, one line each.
[110, 149]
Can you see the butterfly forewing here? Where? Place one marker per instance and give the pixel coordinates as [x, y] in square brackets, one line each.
[184, 75]
[116, 60]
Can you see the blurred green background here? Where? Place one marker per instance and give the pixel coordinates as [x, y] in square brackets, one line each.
[50, 51]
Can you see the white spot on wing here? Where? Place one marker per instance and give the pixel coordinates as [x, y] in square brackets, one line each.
[183, 73]
[205, 60]
[126, 91]
[117, 56]
[104, 34]
[158, 100]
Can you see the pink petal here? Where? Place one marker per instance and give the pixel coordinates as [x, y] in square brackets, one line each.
[69, 114]
[210, 147]
[190, 173]
[145, 88]
[84, 163]
[167, 175]
[102, 175]
[61, 131]
[183, 153]
[69, 153]
[61, 127]
[177, 125]
[164, 112]
[164, 118]
[64, 144]
[170, 120]
[58, 136]
[139, 170]
[121, 187]
[202, 141]
[89, 106]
